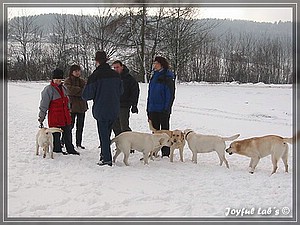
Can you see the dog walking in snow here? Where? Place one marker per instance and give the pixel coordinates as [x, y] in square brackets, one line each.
[44, 139]
[259, 147]
[199, 143]
[177, 141]
[142, 142]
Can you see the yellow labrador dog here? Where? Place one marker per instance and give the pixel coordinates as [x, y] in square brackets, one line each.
[177, 141]
[44, 139]
[199, 143]
[142, 142]
[259, 147]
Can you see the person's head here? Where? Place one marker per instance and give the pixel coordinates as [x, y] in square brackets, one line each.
[101, 57]
[75, 70]
[159, 63]
[57, 76]
[118, 66]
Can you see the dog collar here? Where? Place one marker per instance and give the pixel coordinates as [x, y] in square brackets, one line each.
[188, 133]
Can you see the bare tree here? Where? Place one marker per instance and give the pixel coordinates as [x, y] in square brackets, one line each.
[135, 33]
[104, 30]
[195, 53]
[61, 42]
[81, 45]
[25, 37]
[182, 36]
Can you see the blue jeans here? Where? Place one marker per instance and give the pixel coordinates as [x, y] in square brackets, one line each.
[104, 131]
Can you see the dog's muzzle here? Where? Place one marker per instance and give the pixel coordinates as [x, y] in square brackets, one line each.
[230, 153]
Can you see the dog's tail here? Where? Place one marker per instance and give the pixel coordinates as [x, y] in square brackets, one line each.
[230, 138]
[288, 140]
[293, 139]
[151, 126]
[54, 129]
[113, 140]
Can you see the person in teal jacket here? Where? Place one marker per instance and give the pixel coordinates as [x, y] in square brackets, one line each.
[161, 95]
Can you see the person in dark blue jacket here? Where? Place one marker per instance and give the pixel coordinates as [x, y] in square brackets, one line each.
[161, 95]
[104, 87]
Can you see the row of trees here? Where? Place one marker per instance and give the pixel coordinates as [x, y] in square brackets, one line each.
[194, 51]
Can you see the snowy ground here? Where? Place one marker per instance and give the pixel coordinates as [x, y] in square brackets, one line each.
[74, 186]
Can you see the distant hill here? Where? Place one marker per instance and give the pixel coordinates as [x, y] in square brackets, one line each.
[236, 27]
[280, 29]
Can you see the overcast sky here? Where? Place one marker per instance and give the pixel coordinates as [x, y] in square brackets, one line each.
[259, 14]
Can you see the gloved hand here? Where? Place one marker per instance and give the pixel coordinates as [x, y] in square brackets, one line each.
[134, 109]
[41, 122]
[166, 112]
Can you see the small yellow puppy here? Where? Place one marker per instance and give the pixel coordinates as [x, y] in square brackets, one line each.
[44, 139]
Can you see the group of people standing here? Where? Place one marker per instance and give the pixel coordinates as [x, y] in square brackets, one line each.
[115, 94]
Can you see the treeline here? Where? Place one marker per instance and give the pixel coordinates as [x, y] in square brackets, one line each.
[196, 49]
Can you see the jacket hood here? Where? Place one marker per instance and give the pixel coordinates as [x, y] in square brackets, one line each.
[167, 72]
[125, 71]
[56, 85]
[104, 65]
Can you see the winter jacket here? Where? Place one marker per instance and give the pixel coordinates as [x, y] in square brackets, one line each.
[131, 89]
[55, 101]
[104, 87]
[161, 92]
[75, 86]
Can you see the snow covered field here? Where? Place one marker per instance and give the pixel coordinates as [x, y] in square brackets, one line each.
[74, 186]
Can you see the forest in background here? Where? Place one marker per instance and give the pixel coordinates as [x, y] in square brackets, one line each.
[210, 50]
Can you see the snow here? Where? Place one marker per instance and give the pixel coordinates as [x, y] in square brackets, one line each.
[75, 187]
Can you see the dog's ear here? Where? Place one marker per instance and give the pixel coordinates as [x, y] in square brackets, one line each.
[237, 146]
[182, 136]
[161, 140]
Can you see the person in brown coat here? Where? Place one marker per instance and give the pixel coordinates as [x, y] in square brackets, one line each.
[75, 85]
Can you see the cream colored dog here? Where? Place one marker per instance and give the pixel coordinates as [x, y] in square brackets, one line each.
[177, 141]
[44, 139]
[142, 142]
[199, 143]
[259, 147]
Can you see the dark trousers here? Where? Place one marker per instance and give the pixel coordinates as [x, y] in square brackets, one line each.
[104, 131]
[122, 123]
[78, 118]
[161, 121]
[66, 137]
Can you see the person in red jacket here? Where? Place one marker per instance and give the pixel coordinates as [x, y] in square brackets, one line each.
[54, 100]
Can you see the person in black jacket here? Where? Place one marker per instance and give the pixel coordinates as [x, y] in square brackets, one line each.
[129, 98]
[104, 87]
